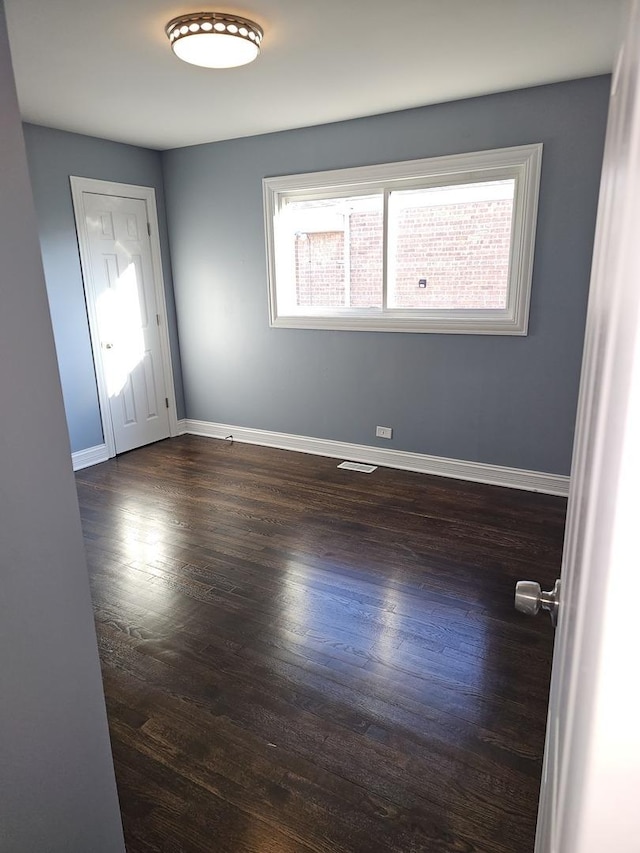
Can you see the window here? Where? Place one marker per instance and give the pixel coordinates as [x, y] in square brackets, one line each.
[438, 245]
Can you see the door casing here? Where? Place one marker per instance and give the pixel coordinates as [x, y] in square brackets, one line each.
[78, 187]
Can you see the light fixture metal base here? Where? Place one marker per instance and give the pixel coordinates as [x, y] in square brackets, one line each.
[214, 39]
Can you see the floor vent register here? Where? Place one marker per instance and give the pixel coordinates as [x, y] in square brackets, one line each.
[358, 466]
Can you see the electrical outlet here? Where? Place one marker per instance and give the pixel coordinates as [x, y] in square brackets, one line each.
[384, 432]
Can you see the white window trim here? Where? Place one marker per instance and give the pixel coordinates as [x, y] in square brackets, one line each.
[521, 162]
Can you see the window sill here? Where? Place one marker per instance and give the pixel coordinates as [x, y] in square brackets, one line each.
[482, 323]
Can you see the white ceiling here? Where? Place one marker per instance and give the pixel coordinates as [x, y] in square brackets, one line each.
[105, 68]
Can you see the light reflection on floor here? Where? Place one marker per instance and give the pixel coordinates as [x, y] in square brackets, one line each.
[145, 557]
[372, 626]
[391, 636]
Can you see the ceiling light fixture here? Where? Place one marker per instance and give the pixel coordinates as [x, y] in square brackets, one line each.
[214, 39]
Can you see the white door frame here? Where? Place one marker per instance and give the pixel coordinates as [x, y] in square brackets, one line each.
[148, 195]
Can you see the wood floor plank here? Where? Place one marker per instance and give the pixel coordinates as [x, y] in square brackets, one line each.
[301, 658]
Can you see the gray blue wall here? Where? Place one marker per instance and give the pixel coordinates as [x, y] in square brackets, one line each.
[501, 400]
[57, 786]
[53, 156]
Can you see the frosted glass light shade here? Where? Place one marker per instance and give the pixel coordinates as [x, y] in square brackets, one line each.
[215, 50]
[214, 39]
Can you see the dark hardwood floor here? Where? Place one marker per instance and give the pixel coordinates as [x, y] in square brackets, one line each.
[299, 658]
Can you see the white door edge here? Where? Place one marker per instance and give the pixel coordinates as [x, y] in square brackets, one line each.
[591, 775]
[148, 195]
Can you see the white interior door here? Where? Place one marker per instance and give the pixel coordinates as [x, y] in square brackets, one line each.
[591, 777]
[125, 318]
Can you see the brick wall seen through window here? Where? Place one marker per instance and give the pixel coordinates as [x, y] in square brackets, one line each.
[460, 252]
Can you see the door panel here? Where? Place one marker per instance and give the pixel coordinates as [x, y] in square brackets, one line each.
[123, 285]
[591, 776]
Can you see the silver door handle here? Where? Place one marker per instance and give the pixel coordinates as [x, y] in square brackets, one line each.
[530, 599]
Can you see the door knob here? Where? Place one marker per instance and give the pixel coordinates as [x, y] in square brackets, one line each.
[530, 599]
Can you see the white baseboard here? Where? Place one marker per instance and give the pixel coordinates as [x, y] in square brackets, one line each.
[182, 427]
[90, 456]
[479, 472]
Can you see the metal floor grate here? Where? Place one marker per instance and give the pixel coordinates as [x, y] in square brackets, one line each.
[358, 466]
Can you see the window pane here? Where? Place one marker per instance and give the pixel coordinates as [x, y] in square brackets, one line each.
[449, 247]
[335, 252]
[365, 245]
[320, 272]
